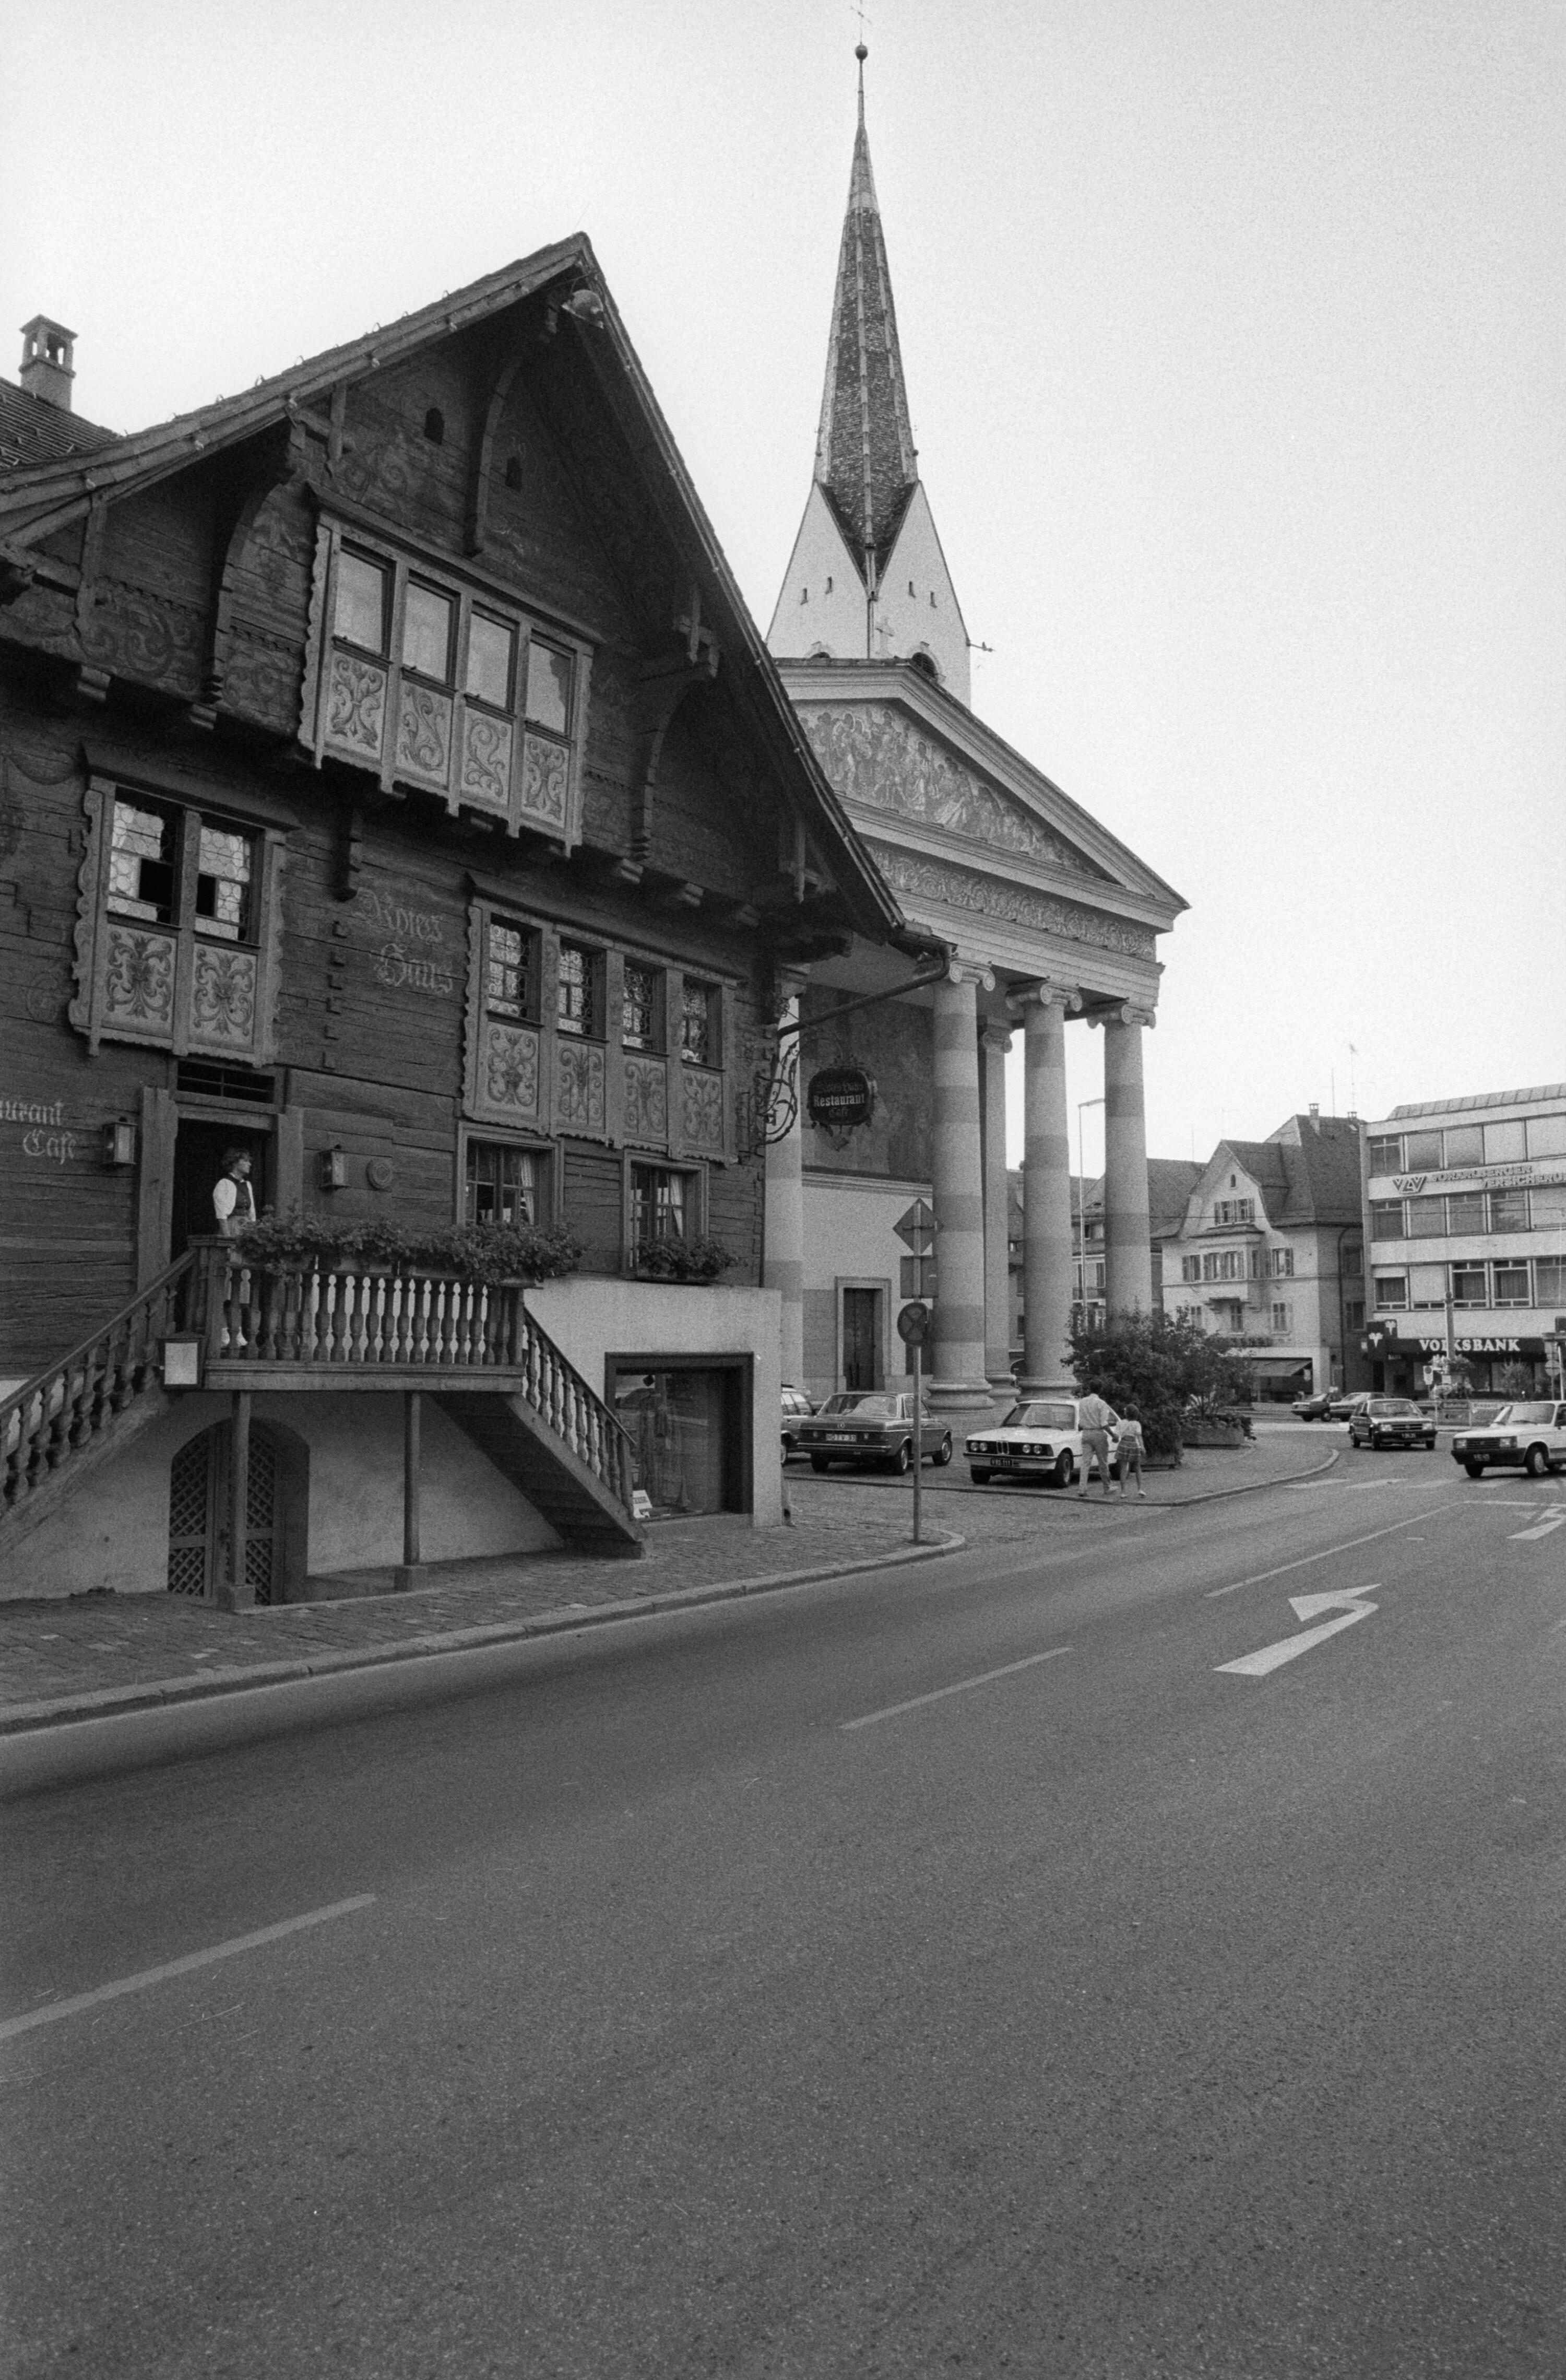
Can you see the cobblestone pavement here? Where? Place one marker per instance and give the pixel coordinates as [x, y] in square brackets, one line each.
[92, 1644]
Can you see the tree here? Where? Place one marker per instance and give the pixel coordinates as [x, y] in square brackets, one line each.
[1163, 1365]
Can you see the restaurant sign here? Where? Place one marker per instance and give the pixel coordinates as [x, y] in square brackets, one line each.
[840, 1098]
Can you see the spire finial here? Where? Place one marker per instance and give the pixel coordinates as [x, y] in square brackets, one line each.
[861, 52]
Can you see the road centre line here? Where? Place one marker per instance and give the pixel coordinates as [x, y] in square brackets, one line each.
[963, 1686]
[1413, 1522]
[84, 2000]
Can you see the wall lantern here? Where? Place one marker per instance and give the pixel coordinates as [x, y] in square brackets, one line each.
[182, 1360]
[119, 1142]
[333, 1169]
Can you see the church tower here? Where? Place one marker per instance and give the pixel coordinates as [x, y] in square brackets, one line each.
[867, 580]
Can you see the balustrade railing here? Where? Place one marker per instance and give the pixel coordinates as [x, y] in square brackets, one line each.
[411, 1320]
[62, 1409]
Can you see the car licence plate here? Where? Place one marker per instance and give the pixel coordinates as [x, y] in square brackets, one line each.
[840, 1438]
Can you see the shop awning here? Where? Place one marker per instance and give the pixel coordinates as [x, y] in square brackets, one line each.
[1279, 1367]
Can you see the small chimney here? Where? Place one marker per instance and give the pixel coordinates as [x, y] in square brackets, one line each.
[46, 370]
[1316, 1115]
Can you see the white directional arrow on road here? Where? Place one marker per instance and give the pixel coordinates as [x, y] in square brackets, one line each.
[1350, 1606]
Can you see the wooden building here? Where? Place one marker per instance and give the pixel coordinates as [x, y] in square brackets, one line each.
[395, 788]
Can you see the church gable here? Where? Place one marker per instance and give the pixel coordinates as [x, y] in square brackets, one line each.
[879, 758]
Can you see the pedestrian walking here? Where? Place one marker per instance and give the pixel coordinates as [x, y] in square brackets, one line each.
[1096, 1419]
[1130, 1451]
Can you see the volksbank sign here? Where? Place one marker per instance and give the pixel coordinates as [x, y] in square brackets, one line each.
[1466, 1177]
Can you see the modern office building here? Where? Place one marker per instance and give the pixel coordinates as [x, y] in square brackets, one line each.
[1465, 1221]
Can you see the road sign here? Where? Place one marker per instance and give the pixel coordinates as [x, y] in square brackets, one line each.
[917, 1227]
[1351, 1607]
[913, 1321]
[916, 1276]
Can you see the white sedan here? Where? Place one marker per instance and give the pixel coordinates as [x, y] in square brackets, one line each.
[1041, 1439]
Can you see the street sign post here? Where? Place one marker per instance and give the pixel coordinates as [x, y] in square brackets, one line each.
[913, 1321]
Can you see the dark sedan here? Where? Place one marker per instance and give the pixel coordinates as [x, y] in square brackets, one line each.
[1316, 1406]
[1391, 1421]
[871, 1425]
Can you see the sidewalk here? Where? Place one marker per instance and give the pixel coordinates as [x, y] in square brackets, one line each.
[93, 1685]
[85, 1656]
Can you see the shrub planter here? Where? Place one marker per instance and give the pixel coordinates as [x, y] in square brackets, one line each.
[1214, 1434]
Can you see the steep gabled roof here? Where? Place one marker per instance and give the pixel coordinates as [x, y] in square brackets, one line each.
[36, 501]
[1309, 1176]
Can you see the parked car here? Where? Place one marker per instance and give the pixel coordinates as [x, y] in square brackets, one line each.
[1041, 1439]
[871, 1425]
[1530, 1437]
[1315, 1406]
[1391, 1421]
[796, 1407]
[1345, 1403]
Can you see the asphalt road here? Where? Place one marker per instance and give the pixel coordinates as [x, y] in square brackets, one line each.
[959, 1970]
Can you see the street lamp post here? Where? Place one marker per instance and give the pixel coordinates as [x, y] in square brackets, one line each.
[1082, 1209]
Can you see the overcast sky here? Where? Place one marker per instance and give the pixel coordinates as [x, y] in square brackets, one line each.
[1234, 339]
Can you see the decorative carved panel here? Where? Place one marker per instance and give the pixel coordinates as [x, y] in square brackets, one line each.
[485, 775]
[139, 979]
[578, 1085]
[874, 755]
[545, 780]
[646, 1099]
[703, 1097]
[509, 1085]
[223, 997]
[356, 707]
[424, 733]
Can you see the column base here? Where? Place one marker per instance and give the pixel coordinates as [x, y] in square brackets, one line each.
[1030, 1387]
[407, 1575]
[959, 1397]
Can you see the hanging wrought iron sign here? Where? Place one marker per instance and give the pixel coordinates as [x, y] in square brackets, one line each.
[841, 1099]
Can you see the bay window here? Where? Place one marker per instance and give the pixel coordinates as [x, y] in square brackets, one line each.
[427, 680]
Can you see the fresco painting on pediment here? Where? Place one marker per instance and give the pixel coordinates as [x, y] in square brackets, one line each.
[874, 755]
[896, 1045]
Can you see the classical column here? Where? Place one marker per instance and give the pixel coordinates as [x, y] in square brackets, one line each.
[958, 1384]
[783, 1242]
[1128, 1269]
[994, 1040]
[1046, 1187]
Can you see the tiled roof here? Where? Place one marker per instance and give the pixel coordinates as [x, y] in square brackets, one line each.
[865, 445]
[33, 431]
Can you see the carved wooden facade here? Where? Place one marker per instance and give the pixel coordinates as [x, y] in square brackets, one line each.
[391, 770]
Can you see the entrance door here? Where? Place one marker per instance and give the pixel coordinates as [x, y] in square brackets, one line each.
[199, 1514]
[861, 1337]
[199, 1149]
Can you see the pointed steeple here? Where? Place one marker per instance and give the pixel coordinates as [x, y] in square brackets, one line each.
[866, 579]
[865, 445]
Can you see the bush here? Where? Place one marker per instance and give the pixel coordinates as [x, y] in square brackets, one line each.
[1163, 1365]
[681, 1259]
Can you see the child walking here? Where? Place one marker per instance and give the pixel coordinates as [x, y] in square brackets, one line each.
[1130, 1449]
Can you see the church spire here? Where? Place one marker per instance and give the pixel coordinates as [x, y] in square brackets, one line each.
[867, 580]
[865, 445]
